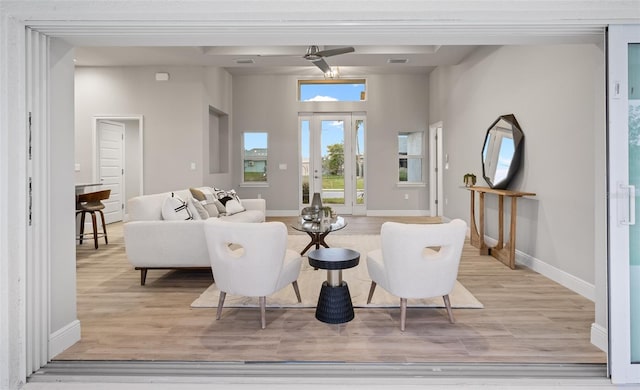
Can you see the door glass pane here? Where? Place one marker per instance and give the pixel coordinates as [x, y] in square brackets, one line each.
[634, 179]
[359, 161]
[305, 143]
[332, 143]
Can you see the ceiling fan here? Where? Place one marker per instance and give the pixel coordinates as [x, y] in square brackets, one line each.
[315, 55]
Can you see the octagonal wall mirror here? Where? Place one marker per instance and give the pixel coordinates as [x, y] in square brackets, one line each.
[502, 151]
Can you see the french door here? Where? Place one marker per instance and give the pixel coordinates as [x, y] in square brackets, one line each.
[332, 161]
[624, 181]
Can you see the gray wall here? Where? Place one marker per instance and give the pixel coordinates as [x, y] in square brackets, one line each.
[173, 119]
[61, 213]
[133, 175]
[557, 96]
[176, 115]
[394, 103]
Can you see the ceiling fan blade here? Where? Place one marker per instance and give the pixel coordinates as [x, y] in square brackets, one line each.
[321, 63]
[336, 51]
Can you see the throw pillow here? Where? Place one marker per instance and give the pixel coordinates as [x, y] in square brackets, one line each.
[197, 209]
[174, 208]
[220, 194]
[233, 206]
[219, 207]
[206, 200]
[225, 196]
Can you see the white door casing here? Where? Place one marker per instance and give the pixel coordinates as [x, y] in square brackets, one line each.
[436, 197]
[334, 128]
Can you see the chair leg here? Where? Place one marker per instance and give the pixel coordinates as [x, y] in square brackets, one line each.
[82, 215]
[104, 227]
[95, 229]
[371, 290]
[447, 303]
[403, 313]
[220, 304]
[297, 290]
[143, 276]
[263, 312]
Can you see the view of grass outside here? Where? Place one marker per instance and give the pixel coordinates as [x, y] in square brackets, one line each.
[332, 183]
[255, 176]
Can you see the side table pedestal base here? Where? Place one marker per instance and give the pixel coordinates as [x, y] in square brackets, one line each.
[334, 304]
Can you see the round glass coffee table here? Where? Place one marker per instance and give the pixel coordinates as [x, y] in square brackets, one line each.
[317, 232]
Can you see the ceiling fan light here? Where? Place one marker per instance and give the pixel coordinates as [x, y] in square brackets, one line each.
[332, 73]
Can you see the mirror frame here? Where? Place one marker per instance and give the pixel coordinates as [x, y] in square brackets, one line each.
[518, 146]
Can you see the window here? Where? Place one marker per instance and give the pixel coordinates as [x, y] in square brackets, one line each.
[254, 157]
[410, 157]
[344, 90]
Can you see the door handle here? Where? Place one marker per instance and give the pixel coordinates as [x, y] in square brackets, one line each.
[627, 204]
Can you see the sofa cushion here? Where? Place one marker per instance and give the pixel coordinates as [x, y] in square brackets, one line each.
[245, 216]
[174, 208]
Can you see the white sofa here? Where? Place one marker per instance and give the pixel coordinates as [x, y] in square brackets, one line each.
[154, 243]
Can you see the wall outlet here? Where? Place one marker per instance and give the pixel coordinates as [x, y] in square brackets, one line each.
[406, 196]
[193, 166]
[77, 167]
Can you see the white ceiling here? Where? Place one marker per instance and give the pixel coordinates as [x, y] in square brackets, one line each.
[278, 59]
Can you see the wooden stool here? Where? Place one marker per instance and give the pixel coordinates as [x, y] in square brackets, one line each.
[90, 203]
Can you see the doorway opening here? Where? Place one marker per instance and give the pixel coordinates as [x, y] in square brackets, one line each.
[118, 164]
[332, 161]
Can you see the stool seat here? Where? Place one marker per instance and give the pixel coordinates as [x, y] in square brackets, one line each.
[91, 203]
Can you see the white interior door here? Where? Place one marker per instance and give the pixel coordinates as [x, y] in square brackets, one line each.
[624, 181]
[110, 159]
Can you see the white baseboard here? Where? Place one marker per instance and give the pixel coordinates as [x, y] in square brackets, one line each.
[370, 213]
[398, 213]
[600, 337]
[565, 279]
[64, 338]
[282, 213]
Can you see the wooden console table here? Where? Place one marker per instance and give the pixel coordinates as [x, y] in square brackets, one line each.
[503, 251]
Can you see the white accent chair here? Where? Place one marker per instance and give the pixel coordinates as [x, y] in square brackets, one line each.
[251, 259]
[407, 266]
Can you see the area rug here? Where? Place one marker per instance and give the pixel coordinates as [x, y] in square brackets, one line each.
[357, 278]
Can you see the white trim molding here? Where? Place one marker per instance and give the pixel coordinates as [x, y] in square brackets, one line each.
[64, 338]
[600, 337]
[559, 276]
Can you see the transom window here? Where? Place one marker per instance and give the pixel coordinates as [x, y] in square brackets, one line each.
[341, 90]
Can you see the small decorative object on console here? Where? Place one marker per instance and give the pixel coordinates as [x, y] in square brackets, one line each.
[469, 179]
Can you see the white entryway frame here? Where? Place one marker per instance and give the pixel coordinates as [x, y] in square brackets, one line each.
[622, 203]
[23, 348]
[436, 170]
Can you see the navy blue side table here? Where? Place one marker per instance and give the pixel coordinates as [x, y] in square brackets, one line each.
[334, 302]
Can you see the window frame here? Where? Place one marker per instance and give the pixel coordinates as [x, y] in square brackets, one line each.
[421, 157]
[243, 159]
[302, 82]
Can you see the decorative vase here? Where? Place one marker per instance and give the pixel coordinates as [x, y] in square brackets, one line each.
[316, 202]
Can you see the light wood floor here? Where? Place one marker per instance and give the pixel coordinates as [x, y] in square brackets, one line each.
[527, 318]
